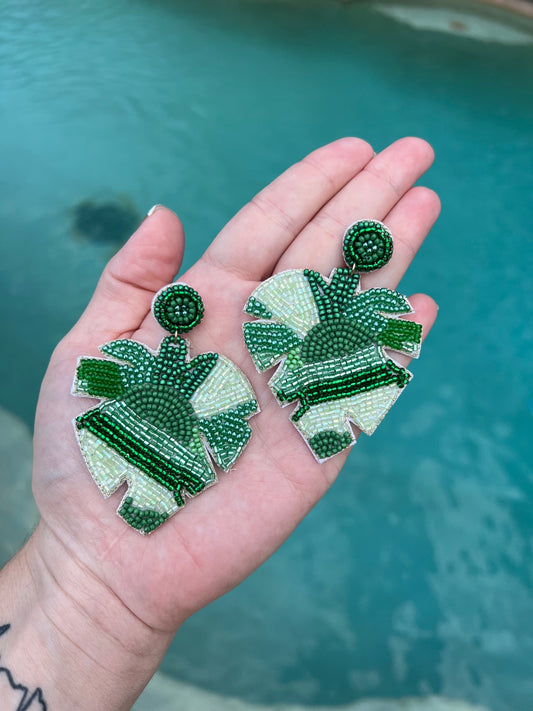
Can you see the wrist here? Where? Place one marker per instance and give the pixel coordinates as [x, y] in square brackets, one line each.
[70, 634]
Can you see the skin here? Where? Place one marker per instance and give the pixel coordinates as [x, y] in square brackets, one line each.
[92, 604]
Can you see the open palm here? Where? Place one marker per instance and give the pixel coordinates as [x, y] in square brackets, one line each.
[221, 536]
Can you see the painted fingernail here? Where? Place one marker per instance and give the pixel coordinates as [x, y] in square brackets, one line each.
[153, 209]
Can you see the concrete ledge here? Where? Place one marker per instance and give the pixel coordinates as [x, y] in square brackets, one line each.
[166, 694]
[522, 7]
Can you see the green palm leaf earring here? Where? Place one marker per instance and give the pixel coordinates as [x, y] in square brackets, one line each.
[330, 338]
[163, 418]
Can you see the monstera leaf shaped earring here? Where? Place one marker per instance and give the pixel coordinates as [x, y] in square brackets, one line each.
[329, 338]
[161, 415]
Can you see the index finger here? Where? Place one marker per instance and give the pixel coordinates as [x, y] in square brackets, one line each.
[253, 241]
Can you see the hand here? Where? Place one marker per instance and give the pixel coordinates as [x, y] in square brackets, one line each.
[152, 584]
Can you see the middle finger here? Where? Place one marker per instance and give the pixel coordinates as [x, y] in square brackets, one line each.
[372, 194]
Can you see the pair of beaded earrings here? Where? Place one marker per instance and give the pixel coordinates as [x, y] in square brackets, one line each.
[164, 418]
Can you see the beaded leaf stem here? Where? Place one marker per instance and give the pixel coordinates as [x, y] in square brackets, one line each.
[330, 338]
[163, 417]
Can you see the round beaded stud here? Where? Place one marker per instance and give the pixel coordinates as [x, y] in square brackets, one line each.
[367, 246]
[329, 337]
[178, 308]
[163, 417]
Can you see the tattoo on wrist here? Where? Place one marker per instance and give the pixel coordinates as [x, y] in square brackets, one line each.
[20, 697]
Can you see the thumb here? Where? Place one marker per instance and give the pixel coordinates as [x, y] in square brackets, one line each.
[149, 260]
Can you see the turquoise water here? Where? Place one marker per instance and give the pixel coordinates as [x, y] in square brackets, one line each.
[415, 573]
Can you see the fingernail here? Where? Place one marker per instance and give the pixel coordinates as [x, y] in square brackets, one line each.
[153, 209]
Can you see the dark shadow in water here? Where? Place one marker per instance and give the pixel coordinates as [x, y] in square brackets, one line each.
[110, 222]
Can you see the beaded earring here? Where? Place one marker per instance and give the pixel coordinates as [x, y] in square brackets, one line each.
[163, 417]
[328, 338]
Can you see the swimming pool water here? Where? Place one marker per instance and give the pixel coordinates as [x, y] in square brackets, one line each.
[414, 574]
